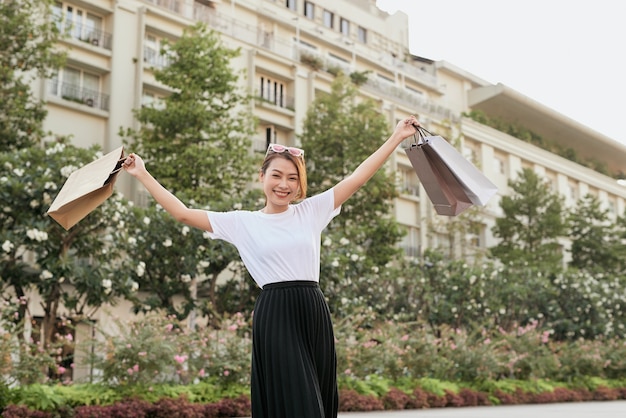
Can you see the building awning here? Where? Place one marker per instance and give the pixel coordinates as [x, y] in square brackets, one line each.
[502, 102]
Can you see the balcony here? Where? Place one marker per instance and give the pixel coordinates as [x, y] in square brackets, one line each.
[282, 101]
[154, 58]
[74, 93]
[286, 48]
[88, 34]
[171, 5]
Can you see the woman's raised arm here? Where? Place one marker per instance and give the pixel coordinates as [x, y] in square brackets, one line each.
[348, 186]
[197, 218]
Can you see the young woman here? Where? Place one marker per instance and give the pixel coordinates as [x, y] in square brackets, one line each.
[293, 359]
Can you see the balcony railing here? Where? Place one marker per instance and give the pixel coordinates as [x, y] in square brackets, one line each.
[77, 94]
[173, 5]
[88, 34]
[279, 100]
[287, 48]
[411, 252]
[154, 58]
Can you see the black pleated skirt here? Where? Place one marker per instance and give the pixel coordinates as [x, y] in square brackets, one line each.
[294, 363]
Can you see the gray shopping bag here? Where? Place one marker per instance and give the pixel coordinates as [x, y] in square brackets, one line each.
[452, 183]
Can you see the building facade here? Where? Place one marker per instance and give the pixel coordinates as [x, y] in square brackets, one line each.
[291, 51]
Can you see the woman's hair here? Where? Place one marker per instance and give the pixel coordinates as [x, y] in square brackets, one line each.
[300, 167]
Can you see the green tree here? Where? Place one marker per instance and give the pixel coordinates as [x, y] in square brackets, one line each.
[27, 50]
[595, 243]
[196, 140]
[196, 143]
[531, 225]
[74, 271]
[343, 130]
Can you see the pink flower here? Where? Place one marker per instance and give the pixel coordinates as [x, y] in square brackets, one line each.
[348, 372]
[226, 373]
[61, 370]
[169, 327]
[69, 337]
[142, 353]
[136, 368]
[452, 346]
[201, 373]
[233, 327]
[487, 341]
[405, 337]
[129, 371]
[545, 337]
[180, 359]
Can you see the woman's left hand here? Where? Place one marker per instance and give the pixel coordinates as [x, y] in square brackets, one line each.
[407, 127]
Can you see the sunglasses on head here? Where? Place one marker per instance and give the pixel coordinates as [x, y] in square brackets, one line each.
[277, 148]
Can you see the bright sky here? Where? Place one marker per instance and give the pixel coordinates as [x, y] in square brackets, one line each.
[569, 55]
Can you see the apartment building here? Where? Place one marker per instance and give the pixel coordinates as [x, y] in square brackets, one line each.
[290, 50]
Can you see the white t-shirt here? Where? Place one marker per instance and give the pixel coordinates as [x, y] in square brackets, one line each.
[278, 247]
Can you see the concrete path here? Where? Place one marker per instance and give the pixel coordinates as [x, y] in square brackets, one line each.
[610, 409]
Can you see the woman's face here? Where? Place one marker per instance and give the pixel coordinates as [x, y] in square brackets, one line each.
[280, 184]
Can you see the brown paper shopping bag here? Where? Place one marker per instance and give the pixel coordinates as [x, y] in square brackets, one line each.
[452, 183]
[86, 189]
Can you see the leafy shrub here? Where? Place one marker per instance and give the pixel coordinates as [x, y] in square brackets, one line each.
[21, 411]
[419, 399]
[350, 400]
[395, 399]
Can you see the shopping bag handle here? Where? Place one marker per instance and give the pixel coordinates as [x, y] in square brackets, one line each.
[420, 134]
[117, 168]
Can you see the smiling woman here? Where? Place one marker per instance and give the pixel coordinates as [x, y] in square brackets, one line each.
[293, 344]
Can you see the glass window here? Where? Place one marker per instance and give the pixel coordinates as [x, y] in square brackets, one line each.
[273, 91]
[411, 242]
[409, 183]
[329, 19]
[344, 26]
[362, 35]
[309, 10]
[291, 4]
[77, 23]
[152, 52]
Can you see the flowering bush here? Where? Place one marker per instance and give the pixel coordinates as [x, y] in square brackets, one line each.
[22, 359]
[161, 349]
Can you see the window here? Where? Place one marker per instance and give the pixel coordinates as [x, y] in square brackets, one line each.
[78, 23]
[150, 99]
[415, 91]
[409, 183]
[309, 10]
[410, 242]
[329, 19]
[362, 35]
[152, 52]
[273, 91]
[385, 79]
[78, 86]
[474, 236]
[344, 26]
[291, 4]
